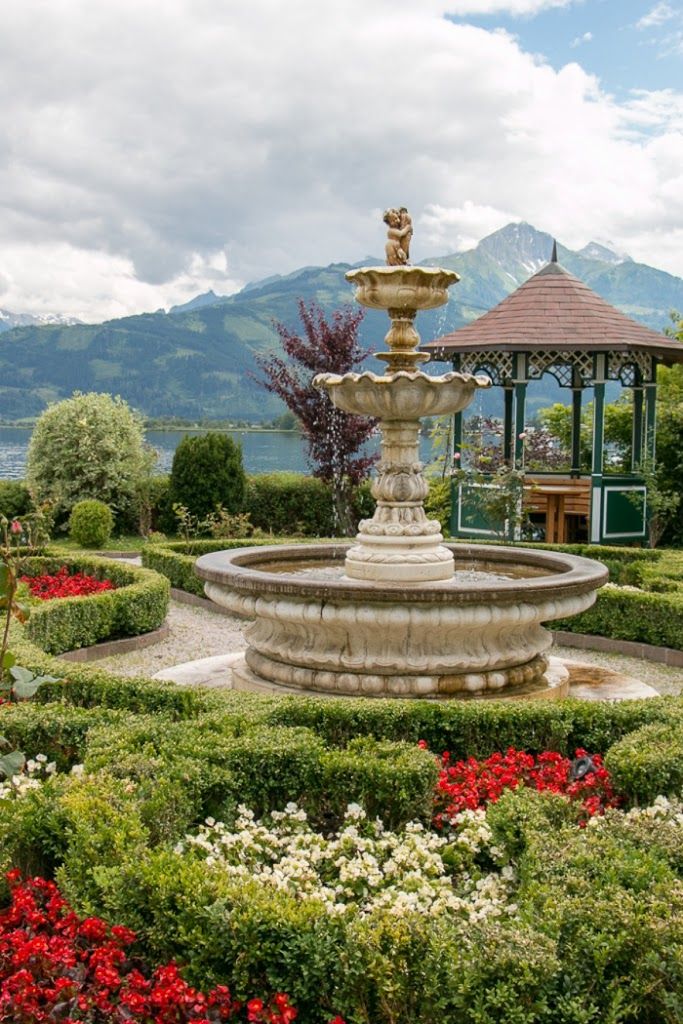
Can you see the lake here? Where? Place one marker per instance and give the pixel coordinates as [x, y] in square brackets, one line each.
[263, 451]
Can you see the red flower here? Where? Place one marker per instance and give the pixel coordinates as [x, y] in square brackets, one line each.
[55, 966]
[471, 784]
[62, 584]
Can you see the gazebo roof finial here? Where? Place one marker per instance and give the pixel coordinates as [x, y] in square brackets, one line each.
[553, 258]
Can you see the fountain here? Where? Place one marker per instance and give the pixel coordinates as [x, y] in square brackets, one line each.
[399, 613]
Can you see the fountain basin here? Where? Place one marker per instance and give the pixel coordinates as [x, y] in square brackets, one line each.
[316, 631]
[404, 396]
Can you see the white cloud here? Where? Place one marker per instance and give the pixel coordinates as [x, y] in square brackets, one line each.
[514, 7]
[151, 151]
[579, 40]
[660, 13]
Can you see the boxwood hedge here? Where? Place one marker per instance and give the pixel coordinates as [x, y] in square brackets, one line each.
[138, 604]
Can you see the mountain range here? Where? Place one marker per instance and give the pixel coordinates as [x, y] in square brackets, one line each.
[197, 359]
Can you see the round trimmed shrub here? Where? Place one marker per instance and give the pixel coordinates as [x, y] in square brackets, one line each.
[207, 471]
[15, 501]
[91, 523]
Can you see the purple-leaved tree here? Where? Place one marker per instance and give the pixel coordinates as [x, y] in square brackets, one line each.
[334, 439]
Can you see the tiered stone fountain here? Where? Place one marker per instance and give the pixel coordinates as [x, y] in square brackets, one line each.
[399, 613]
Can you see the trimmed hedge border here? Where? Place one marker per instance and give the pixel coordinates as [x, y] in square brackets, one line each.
[138, 604]
[173, 561]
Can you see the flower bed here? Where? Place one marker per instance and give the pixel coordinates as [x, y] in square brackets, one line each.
[106, 600]
[472, 784]
[65, 584]
[57, 966]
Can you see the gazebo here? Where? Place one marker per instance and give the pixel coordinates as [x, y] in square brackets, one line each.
[555, 324]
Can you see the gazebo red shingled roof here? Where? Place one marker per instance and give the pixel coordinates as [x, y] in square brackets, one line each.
[554, 310]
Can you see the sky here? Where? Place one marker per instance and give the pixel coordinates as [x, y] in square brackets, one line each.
[150, 151]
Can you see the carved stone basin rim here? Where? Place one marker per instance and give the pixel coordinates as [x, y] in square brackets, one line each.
[239, 570]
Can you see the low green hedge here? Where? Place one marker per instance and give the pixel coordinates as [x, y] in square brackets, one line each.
[138, 604]
[649, 761]
[176, 559]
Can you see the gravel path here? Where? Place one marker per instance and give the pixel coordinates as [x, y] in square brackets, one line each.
[196, 633]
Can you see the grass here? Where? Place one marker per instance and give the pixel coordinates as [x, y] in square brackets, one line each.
[127, 542]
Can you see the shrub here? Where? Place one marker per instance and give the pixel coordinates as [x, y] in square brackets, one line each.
[649, 761]
[91, 523]
[137, 605]
[15, 500]
[438, 502]
[88, 446]
[292, 504]
[207, 471]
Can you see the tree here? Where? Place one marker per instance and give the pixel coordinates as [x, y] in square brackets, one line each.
[207, 472]
[88, 446]
[334, 439]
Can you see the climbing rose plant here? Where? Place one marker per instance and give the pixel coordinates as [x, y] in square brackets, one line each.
[55, 966]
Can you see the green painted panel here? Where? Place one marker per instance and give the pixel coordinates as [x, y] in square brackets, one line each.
[624, 512]
[467, 518]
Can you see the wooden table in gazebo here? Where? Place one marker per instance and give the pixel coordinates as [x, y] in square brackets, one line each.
[555, 324]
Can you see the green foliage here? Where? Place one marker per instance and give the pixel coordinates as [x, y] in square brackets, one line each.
[207, 471]
[137, 605]
[557, 419]
[438, 502]
[15, 500]
[290, 504]
[294, 505]
[649, 761]
[88, 446]
[91, 523]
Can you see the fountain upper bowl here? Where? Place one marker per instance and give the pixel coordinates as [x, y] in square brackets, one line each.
[402, 288]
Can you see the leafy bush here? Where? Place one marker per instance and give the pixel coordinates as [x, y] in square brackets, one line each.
[649, 761]
[207, 471]
[292, 504]
[91, 523]
[15, 500]
[88, 446]
[438, 502]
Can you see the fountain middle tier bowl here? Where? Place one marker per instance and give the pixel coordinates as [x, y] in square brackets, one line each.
[405, 395]
[479, 634]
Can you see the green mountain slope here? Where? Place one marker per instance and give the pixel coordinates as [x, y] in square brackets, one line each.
[198, 359]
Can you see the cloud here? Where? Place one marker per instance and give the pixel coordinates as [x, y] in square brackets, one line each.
[659, 14]
[579, 40]
[516, 8]
[151, 151]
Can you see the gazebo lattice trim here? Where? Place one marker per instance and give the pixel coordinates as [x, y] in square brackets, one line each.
[630, 367]
[498, 366]
[561, 365]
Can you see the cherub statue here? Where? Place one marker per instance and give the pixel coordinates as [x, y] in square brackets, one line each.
[400, 232]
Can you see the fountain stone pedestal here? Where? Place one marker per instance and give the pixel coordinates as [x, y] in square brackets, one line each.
[400, 544]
